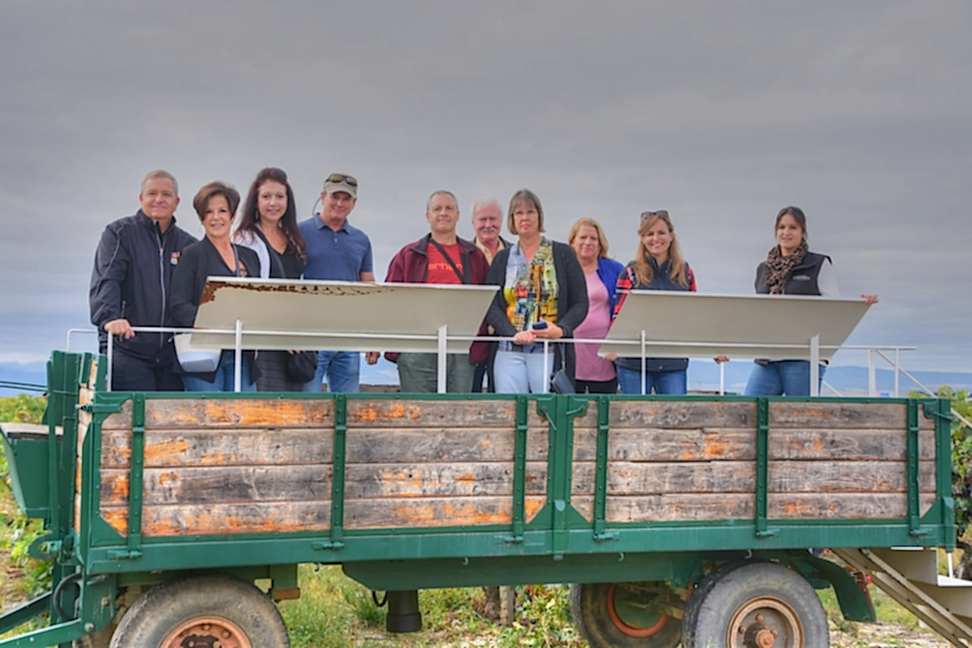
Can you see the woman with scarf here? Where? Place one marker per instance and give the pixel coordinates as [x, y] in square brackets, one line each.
[658, 265]
[543, 295]
[791, 268]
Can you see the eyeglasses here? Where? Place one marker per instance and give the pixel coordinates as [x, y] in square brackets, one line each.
[662, 213]
[340, 178]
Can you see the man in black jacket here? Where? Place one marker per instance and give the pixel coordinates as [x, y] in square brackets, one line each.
[130, 285]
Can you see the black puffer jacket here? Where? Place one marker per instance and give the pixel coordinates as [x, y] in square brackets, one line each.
[131, 278]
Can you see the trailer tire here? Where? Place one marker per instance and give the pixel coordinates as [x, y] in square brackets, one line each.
[233, 612]
[599, 612]
[754, 604]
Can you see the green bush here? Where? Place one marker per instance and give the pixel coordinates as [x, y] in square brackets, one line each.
[16, 531]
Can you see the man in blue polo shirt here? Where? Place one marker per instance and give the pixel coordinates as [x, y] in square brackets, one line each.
[337, 251]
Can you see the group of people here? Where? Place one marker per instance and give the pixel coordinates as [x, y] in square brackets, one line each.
[148, 272]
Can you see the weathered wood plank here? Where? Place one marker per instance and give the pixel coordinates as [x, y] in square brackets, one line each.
[276, 517]
[272, 446]
[713, 444]
[227, 413]
[673, 415]
[435, 445]
[629, 478]
[670, 508]
[433, 413]
[656, 444]
[888, 416]
[220, 447]
[242, 484]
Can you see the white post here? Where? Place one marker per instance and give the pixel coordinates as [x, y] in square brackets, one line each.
[897, 373]
[111, 353]
[722, 378]
[546, 367]
[440, 359]
[238, 356]
[815, 365]
[644, 369]
[871, 374]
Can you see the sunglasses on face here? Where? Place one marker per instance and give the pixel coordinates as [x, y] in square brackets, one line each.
[651, 214]
[339, 178]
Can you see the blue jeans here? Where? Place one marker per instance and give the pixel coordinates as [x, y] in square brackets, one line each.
[778, 377]
[518, 372]
[342, 369]
[663, 382]
[224, 379]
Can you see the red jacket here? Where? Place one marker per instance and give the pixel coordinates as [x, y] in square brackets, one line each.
[411, 265]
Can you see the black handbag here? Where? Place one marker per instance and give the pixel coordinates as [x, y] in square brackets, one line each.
[561, 382]
[301, 366]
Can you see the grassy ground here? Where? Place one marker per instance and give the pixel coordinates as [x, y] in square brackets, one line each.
[334, 611]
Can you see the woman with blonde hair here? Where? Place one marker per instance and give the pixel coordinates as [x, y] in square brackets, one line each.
[594, 374]
[542, 296]
[658, 265]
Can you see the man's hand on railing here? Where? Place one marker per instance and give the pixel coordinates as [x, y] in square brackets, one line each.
[371, 357]
[869, 298]
[721, 358]
[120, 327]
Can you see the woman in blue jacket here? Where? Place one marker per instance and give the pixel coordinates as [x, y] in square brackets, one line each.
[658, 265]
[595, 375]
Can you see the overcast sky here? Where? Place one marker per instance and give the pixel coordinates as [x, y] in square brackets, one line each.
[720, 112]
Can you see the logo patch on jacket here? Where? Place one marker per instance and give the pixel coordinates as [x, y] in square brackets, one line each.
[174, 259]
[801, 277]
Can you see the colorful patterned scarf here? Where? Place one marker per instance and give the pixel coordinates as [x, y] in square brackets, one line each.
[531, 287]
[779, 267]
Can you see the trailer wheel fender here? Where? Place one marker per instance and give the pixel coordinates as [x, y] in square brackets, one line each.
[235, 613]
[763, 604]
[625, 614]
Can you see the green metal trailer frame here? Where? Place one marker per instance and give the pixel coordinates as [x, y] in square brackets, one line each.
[93, 564]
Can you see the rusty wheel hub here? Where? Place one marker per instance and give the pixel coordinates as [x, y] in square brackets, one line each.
[765, 623]
[207, 632]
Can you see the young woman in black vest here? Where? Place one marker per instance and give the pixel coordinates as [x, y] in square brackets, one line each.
[658, 265]
[791, 268]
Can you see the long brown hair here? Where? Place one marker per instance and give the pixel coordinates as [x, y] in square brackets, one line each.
[250, 216]
[676, 265]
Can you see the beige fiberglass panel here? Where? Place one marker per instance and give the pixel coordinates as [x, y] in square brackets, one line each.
[335, 314]
[726, 324]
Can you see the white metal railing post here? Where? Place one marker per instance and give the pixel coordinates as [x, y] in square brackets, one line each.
[871, 374]
[238, 356]
[897, 373]
[441, 360]
[644, 368]
[815, 366]
[111, 358]
[722, 378]
[546, 367]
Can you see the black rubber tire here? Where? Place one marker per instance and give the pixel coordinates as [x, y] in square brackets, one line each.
[589, 610]
[717, 601]
[163, 608]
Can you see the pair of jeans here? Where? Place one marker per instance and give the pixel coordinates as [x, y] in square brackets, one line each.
[224, 380]
[342, 369]
[520, 372]
[779, 377]
[418, 372]
[661, 382]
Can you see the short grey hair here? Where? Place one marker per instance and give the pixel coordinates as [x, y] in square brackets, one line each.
[441, 192]
[160, 173]
[488, 202]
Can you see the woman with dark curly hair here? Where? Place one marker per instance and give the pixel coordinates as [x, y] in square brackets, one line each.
[214, 256]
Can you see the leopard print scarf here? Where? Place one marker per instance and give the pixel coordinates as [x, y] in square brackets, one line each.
[779, 267]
